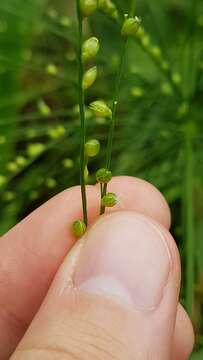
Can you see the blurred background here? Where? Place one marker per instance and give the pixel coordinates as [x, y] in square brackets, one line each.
[159, 134]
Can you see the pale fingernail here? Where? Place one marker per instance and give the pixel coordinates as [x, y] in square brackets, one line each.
[125, 258]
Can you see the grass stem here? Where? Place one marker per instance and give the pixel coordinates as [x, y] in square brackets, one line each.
[132, 8]
[81, 98]
[189, 224]
[114, 113]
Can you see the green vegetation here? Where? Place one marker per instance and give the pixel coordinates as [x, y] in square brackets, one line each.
[158, 133]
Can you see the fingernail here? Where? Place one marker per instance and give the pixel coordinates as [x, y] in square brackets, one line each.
[125, 258]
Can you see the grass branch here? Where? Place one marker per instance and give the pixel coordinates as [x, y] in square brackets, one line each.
[189, 224]
[81, 99]
[114, 113]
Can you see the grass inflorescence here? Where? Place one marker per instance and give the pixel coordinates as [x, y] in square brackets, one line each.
[158, 119]
[87, 51]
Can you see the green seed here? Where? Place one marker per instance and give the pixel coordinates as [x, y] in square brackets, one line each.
[21, 161]
[131, 26]
[34, 194]
[100, 109]
[92, 148]
[79, 228]
[137, 92]
[8, 196]
[51, 183]
[12, 166]
[108, 8]
[35, 149]
[89, 78]
[2, 180]
[176, 77]
[103, 176]
[65, 21]
[52, 69]
[109, 200]
[43, 108]
[156, 52]
[140, 33]
[145, 41]
[86, 173]
[68, 163]
[2, 140]
[88, 7]
[56, 132]
[90, 49]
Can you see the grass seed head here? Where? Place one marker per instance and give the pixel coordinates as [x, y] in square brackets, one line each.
[103, 176]
[108, 8]
[130, 26]
[90, 49]
[92, 148]
[79, 228]
[89, 78]
[101, 109]
[88, 7]
[109, 200]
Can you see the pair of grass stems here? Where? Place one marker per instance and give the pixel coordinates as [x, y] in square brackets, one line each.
[130, 27]
[188, 198]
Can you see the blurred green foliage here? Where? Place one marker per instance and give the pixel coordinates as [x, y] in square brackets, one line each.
[160, 131]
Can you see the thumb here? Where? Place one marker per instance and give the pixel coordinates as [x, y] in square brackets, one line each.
[114, 297]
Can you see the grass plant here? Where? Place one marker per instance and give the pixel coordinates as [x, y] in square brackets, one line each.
[142, 104]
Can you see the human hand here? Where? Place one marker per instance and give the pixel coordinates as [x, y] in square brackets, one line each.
[111, 295]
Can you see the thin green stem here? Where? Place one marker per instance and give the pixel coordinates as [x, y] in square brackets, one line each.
[189, 224]
[114, 113]
[132, 8]
[200, 340]
[101, 190]
[115, 104]
[81, 98]
[165, 71]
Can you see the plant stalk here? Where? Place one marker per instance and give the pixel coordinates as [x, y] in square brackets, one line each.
[132, 8]
[81, 99]
[189, 224]
[114, 113]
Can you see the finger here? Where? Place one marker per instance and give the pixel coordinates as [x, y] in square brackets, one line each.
[115, 296]
[183, 336]
[139, 195]
[37, 246]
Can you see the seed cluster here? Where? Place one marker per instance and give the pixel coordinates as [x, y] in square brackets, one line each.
[88, 50]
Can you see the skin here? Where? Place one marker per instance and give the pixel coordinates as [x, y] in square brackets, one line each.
[45, 315]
